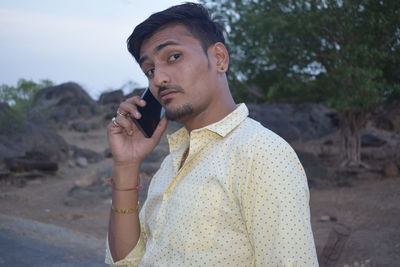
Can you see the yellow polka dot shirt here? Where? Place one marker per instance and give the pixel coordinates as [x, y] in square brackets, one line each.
[240, 199]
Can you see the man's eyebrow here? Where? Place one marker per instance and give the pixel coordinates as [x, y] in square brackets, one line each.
[161, 46]
[157, 49]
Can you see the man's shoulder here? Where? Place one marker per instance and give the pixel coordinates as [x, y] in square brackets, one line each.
[254, 132]
[251, 137]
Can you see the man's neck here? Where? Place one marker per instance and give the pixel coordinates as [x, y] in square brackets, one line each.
[210, 115]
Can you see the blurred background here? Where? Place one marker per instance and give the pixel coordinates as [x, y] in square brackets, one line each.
[323, 74]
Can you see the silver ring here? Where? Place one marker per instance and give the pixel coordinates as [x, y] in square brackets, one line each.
[115, 122]
[121, 114]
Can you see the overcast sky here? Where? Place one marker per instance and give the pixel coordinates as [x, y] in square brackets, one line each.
[72, 40]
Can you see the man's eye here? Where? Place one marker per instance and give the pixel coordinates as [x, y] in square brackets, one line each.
[149, 72]
[174, 57]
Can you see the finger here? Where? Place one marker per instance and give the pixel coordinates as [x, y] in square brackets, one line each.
[136, 100]
[160, 129]
[130, 108]
[112, 129]
[126, 124]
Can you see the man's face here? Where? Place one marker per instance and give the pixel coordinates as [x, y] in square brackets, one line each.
[181, 76]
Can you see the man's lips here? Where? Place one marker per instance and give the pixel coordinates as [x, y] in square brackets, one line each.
[165, 93]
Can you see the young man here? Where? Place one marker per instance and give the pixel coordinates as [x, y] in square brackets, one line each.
[231, 192]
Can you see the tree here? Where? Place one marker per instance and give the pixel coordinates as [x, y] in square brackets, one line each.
[21, 96]
[343, 53]
[16, 101]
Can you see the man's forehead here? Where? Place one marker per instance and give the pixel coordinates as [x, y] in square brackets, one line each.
[170, 33]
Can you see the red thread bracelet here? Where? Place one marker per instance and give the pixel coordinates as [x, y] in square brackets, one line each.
[111, 181]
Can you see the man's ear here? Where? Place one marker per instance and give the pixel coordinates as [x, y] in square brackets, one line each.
[221, 57]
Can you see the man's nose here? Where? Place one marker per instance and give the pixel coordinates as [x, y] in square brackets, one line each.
[161, 77]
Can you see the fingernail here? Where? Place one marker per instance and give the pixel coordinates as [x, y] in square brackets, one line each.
[137, 114]
[130, 132]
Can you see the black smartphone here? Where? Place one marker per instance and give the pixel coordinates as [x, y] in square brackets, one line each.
[151, 114]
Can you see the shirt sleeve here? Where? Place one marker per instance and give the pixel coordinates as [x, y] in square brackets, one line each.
[134, 256]
[275, 205]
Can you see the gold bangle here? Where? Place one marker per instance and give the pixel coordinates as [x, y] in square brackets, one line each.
[125, 211]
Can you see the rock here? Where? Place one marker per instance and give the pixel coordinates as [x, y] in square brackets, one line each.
[370, 140]
[384, 124]
[387, 117]
[89, 155]
[81, 162]
[91, 188]
[150, 168]
[30, 175]
[34, 139]
[71, 164]
[87, 180]
[21, 164]
[327, 218]
[76, 196]
[313, 166]
[80, 127]
[157, 155]
[62, 103]
[114, 97]
[4, 173]
[390, 169]
[37, 155]
[107, 153]
[111, 102]
[295, 121]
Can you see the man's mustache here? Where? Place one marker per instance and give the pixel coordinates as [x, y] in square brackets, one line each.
[176, 88]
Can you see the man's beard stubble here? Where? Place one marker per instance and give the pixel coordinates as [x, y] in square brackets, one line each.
[180, 112]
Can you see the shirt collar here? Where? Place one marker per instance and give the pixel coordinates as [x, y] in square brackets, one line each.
[221, 127]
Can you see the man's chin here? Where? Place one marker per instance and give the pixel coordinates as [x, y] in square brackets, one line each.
[178, 113]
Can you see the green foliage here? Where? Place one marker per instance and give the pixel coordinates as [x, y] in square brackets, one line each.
[21, 96]
[343, 53]
[16, 103]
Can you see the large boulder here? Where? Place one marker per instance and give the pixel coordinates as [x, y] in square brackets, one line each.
[62, 103]
[112, 100]
[387, 117]
[32, 139]
[295, 122]
[113, 97]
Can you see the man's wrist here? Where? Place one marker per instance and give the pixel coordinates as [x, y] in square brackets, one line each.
[126, 175]
[127, 164]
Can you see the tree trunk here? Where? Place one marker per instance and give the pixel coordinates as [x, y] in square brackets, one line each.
[352, 123]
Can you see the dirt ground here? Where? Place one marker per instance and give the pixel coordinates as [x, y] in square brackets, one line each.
[362, 221]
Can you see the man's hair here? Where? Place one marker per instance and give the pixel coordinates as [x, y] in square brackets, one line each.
[194, 17]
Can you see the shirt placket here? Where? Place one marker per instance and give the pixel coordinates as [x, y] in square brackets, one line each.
[160, 221]
[198, 141]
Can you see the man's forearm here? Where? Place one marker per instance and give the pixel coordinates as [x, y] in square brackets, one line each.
[124, 229]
